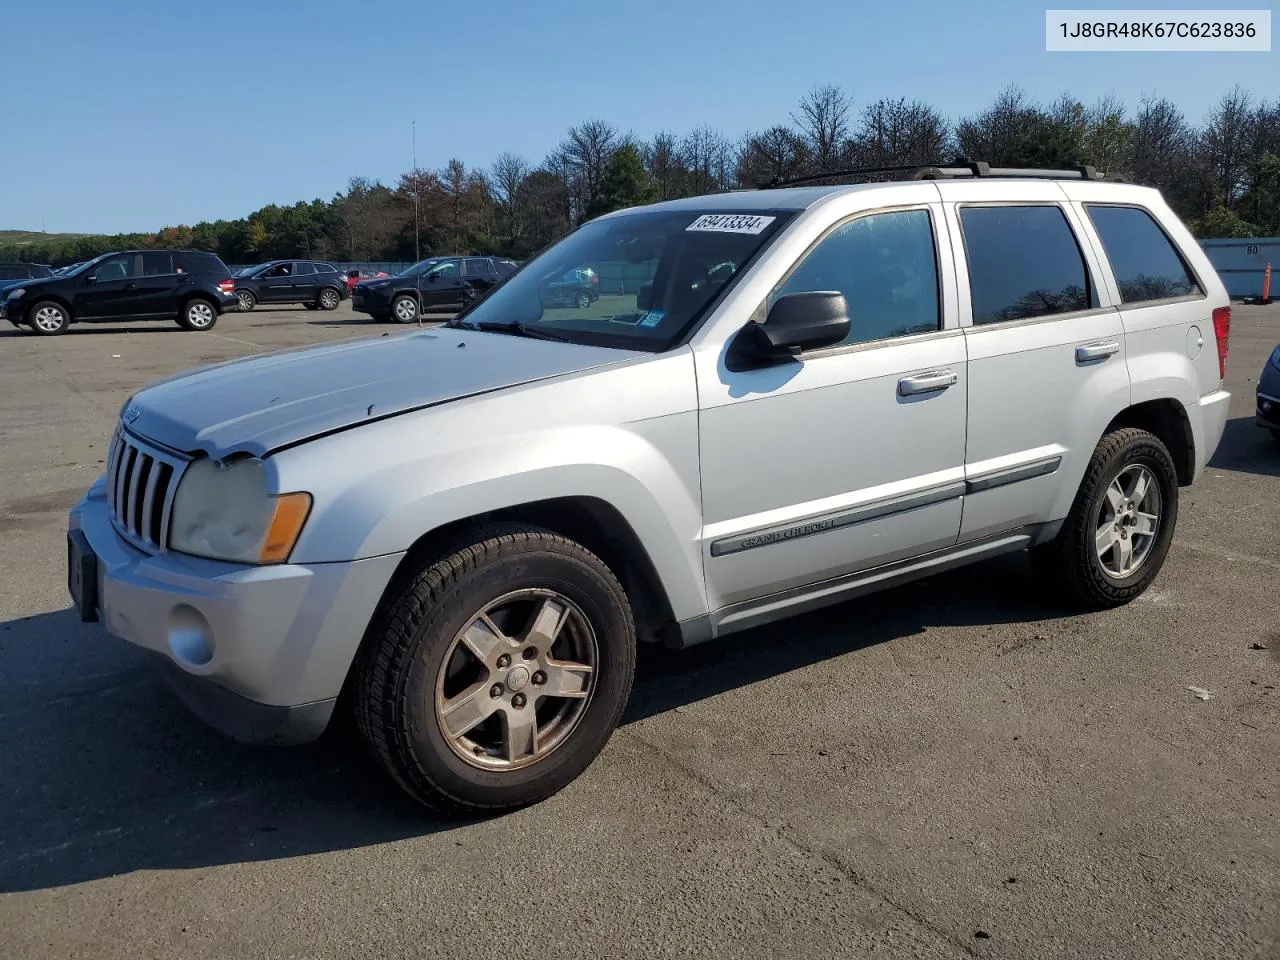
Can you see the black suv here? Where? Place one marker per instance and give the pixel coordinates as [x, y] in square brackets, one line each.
[436, 285]
[312, 283]
[12, 274]
[190, 286]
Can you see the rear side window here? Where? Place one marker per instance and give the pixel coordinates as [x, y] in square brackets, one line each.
[201, 263]
[886, 267]
[326, 268]
[1023, 262]
[1145, 262]
[303, 269]
[157, 264]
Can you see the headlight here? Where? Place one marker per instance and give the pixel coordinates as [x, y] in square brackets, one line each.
[223, 511]
[15, 294]
[1275, 358]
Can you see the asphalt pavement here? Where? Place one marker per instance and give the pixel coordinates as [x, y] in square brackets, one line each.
[953, 768]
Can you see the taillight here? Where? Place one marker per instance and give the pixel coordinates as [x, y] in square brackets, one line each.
[227, 286]
[1222, 333]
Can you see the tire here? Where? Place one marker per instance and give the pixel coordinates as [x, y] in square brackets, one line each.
[48, 318]
[404, 309]
[1074, 560]
[328, 299]
[414, 665]
[198, 314]
[247, 301]
[583, 301]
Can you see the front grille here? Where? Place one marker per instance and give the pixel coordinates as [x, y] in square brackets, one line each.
[141, 482]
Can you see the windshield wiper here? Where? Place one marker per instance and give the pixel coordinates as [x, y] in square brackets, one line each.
[517, 327]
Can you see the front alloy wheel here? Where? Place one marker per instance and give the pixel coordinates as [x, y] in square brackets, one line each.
[517, 679]
[405, 309]
[49, 319]
[493, 675]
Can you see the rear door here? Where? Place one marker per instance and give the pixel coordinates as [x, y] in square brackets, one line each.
[306, 284]
[159, 287]
[1046, 351]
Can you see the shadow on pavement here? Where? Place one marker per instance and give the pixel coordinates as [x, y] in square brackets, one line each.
[102, 772]
[1247, 448]
[81, 329]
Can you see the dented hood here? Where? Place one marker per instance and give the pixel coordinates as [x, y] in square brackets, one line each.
[259, 404]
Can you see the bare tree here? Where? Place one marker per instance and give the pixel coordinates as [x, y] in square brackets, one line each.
[1108, 136]
[774, 154]
[1227, 141]
[899, 132]
[823, 122]
[505, 177]
[704, 153]
[666, 168]
[582, 155]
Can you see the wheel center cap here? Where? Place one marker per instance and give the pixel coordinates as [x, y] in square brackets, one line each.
[518, 678]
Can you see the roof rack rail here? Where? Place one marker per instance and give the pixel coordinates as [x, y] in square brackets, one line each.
[959, 168]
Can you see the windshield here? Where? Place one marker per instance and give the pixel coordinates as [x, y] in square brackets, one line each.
[418, 269]
[637, 281]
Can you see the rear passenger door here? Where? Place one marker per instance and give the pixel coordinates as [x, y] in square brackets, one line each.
[306, 283]
[1046, 352]
[159, 287]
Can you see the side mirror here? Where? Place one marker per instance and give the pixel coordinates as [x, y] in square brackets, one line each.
[432, 277]
[796, 322]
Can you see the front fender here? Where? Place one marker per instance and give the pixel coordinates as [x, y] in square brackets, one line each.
[381, 487]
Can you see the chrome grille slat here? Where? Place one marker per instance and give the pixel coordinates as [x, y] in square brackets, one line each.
[140, 477]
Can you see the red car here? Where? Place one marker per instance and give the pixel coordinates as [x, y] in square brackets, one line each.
[355, 276]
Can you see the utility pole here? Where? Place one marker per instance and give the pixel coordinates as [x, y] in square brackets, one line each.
[413, 126]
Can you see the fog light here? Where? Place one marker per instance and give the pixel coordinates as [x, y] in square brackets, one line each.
[190, 638]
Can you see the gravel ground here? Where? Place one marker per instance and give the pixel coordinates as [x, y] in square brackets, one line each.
[952, 768]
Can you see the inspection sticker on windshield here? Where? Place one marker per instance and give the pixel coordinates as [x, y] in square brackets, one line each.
[652, 318]
[729, 223]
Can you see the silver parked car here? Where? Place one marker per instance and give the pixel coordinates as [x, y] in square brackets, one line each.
[814, 392]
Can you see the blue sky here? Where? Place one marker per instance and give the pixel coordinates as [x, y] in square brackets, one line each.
[132, 115]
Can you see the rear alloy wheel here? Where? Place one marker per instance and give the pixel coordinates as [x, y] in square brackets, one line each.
[1117, 534]
[48, 319]
[198, 315]
[246, 299]
[329, 299]
[584, 301]
[404, 309]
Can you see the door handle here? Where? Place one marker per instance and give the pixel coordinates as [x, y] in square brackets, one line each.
[926, 382]
[1096, 351]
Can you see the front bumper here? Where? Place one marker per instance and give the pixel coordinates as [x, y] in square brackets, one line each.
[370, 301]
[261, 653]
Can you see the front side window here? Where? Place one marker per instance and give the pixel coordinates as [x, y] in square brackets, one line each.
[637, 281]
[1145, 263]
[1023, 262]
[122, 267]
[886, 266]
[445, 270]
[279, 270]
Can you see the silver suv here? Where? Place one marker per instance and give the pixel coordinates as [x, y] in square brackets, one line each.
[781, 399]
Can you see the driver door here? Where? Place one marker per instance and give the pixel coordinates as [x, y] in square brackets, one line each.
[107, 291]
[276, 283]
[441, 288]
[851, 456]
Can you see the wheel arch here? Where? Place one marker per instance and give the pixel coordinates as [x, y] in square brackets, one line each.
[1166, 418]
[200, 295]
[58, 298]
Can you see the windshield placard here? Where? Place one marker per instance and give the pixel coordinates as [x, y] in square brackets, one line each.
[729, 223]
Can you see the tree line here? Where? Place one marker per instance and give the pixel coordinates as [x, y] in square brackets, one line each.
[1222, 175]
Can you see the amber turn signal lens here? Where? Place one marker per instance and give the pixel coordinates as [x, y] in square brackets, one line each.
[286, 524]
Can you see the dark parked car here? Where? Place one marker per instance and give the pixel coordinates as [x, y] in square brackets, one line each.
[436, 285]
[312, 283]
[12, 274]
[190, 286]
[1269, 395]
[578, 288]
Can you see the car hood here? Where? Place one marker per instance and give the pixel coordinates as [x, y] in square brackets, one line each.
[260, 404]
[30, 283]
